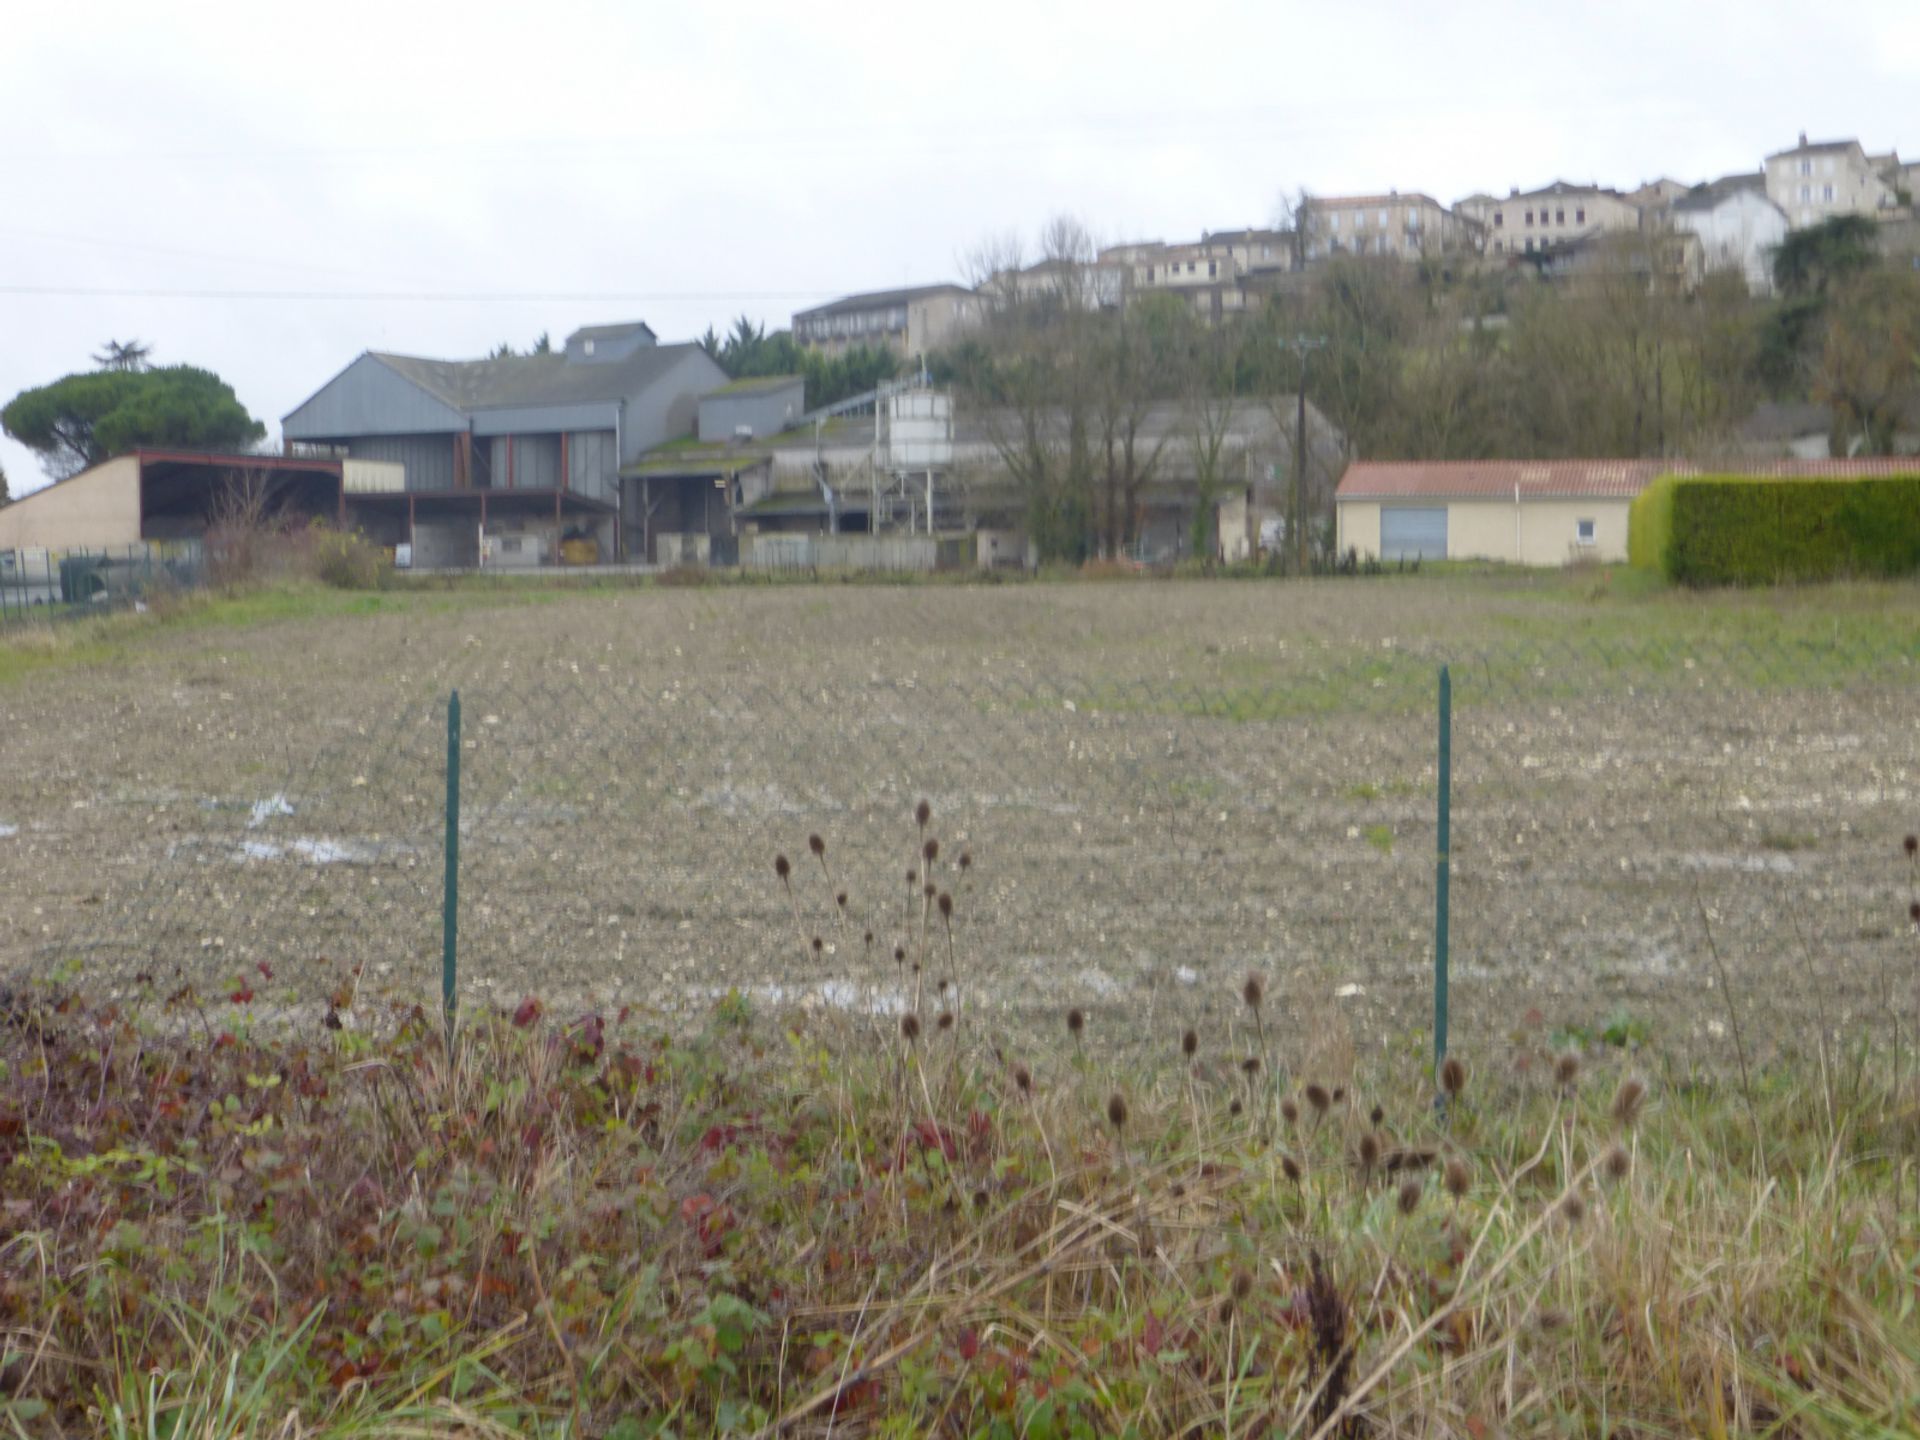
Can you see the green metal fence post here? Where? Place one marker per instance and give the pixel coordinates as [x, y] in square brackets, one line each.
[450, 909]
[1442, 867]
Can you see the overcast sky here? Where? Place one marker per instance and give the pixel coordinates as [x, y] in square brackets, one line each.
[267, 190]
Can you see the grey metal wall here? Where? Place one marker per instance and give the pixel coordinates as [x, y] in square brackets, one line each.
[593, 466]
[428, 458]
[668, 408]
[765, 412]
[370, 398]
[546, 419]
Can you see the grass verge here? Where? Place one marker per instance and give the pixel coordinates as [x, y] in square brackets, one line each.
[606, 1225]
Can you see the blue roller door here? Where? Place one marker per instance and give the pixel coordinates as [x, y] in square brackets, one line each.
[1410, 533]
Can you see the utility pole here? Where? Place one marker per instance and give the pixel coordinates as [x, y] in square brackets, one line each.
[1302, 345]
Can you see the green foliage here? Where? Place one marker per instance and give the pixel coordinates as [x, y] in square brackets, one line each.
[1813, 259]
[81, 420]
[1744, 530]
[748, 352]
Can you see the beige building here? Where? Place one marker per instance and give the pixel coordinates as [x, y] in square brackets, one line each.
[1406, 227]
[1209, 279]
[1816, 181]
[1530, 221]
[910, 322]
[96, 509]
[1519, 512]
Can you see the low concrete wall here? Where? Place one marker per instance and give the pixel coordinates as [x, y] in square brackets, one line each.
[840, 552]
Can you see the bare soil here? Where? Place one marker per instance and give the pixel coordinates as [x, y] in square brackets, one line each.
[1160, 787]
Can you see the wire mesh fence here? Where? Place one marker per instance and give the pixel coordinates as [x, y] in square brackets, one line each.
[1129, 841]
[42, 584]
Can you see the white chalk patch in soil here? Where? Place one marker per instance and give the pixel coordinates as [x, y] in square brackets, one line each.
[1744, 864]
[7, 832]
[265, 810]
[829, 994]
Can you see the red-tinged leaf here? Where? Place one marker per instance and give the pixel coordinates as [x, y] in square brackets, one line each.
[344, 1374]
[969, 1344]
[242, 996]
[696, 1208]
[1477, 1428]
[226, 1040]
[1153, 1335]
[266, 970]
[528, 1012]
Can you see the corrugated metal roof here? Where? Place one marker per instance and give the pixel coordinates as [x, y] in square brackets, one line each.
[533, 379]
[1569, 479]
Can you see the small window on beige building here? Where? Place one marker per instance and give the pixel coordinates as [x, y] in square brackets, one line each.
[1583, 532]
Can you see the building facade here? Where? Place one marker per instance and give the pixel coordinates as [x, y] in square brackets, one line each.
[1404, 226]
[910, 322]
[502, 460]
[1738, 226]
[1530, 221]
[1815, 181]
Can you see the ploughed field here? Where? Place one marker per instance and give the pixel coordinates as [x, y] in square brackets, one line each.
[1156, 787]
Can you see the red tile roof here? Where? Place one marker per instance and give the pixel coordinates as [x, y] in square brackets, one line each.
[1569, 479]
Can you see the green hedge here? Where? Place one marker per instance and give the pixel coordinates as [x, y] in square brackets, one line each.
[1757, 530]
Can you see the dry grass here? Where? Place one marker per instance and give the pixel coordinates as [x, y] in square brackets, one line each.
[901, 1224]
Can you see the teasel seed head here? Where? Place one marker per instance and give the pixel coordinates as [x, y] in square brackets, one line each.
[923, 812]
[1409, 1197]
[1566, 1070]
[945, 902]
[1913, 912]
[1627, 1100]
[1290, 1167]
[869, 939]
[899, 954]
[782, 866]
[1574, 1208]
[818, 945]
[1189, 1043]
[1369, 1150]
[928, 890]
[1117, 1110]
[1253, 990]
[931, 850]
[1235, 1107]
[1458, 1178]
[1339, 1093]
[945, 1022]
[1376, 1115]
[1912, 845]
[913, 876]
[1250, 1066]
[1453, 1077]
[1318, 1098]
[910, 1027]
[1241, 1286]
[942, 985]
[1076, 1021]
[1023, 1079]
[841, 899]
[817, 845]
[1617, 1163]
[966, 859]
[1290, 1111]
[980, 1199]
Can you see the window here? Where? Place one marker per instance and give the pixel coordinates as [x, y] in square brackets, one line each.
[1383, 219]
[586, 347]
[1529, 245]
[1336, 219]
[1829, 193]
[1529, 217]
[1580, 216]
[1360, 220]
[1583, 532]
[1559, 217]
[1149, 274]
[1806, 167]
[1212, 269]
[1190, 267]
[1499, 247]
[1499, 219]
[1806, 192]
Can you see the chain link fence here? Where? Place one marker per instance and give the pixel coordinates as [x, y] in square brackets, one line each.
[1127, 839]
[41, 584]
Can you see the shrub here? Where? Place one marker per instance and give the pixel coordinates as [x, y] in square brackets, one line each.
[1749, 530]
[346, 559]
[681, 577]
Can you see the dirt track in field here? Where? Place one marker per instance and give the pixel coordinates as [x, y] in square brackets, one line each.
[1160, 786]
